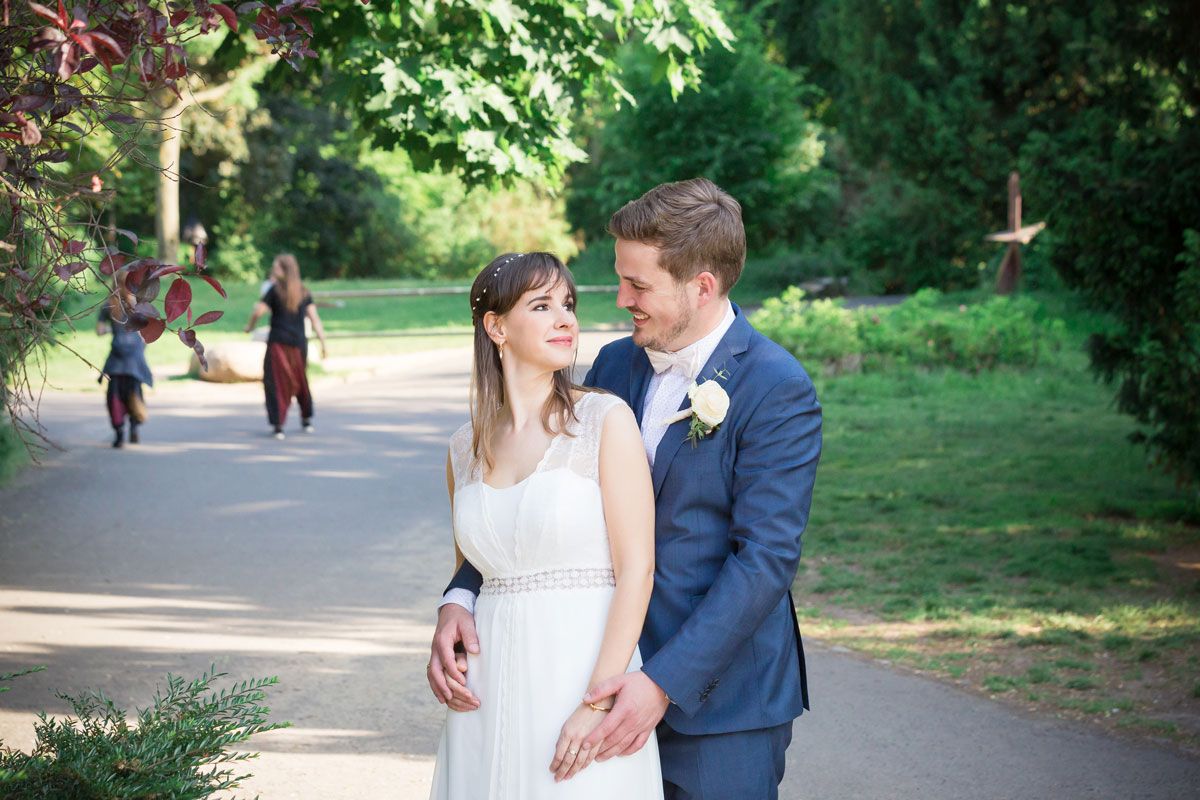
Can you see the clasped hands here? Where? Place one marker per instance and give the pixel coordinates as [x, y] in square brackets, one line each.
[588, 734]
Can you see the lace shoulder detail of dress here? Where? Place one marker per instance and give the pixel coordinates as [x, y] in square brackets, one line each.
[460, 455]
[591, 409]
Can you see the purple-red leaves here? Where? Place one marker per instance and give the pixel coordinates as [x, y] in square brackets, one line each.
[68, 271]
[112, 261]
[154, 329]
[187, 336]
[179, 297]
[213, 282]
[226, 14]
[166, 269]
[208, 317]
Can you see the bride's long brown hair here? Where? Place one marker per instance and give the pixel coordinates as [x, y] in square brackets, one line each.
[497, 289]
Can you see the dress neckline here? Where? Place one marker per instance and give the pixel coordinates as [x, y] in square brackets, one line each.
[541, 462]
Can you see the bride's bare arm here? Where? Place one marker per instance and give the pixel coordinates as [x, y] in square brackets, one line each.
[628, 498]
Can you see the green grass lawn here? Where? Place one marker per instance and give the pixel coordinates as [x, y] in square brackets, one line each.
[1001, 530]
[357, 326]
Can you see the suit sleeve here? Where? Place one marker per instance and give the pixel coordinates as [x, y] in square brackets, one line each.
[467, 578]
[774, 470]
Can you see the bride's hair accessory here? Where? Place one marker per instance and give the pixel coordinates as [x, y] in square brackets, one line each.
[495, 272]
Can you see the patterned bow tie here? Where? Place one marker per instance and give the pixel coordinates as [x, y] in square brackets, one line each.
[687, 361]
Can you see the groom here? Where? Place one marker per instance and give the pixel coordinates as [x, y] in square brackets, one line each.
[723, 674]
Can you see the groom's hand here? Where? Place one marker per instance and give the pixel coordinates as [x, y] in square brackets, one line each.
[640, 706]
[447, 671]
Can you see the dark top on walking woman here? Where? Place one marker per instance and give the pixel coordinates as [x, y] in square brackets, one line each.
[287, 327]
[128, 353]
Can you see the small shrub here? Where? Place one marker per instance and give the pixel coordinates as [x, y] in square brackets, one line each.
[177, 749]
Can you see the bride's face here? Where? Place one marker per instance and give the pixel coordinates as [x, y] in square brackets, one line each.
[541, 329]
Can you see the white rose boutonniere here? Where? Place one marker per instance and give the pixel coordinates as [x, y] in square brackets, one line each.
[710, 404]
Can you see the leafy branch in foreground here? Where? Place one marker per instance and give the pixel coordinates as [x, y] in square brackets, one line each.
[180, 747]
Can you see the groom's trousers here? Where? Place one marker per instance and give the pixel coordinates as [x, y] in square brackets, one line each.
[747, 765]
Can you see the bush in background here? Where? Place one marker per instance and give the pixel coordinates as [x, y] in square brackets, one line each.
[924, 331]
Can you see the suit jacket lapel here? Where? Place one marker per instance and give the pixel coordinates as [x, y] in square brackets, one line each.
[639, 378]
[725, 360]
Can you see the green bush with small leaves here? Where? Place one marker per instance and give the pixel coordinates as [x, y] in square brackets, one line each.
[924, 331]
[179, 748]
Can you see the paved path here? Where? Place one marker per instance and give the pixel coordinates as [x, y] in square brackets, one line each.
[318, 559]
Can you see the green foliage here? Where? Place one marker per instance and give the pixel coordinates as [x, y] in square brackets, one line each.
[746, 128]
[180, 747]
[8, 676]
[1096, 104]
[300, 181]
[497, 87]
[12, 453]
[923, 331]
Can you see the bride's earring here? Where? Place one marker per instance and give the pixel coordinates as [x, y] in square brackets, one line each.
[500, 350]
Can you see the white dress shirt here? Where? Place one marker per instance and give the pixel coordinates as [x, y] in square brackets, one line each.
[668, 388]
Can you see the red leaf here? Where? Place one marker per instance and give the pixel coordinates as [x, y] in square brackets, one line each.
[226, 14]
[187, 336]
[108, 43]
[146, 310]
[166, 269]
[67, 271]
[209, 316]
[130, 235]
[29, 102]
[112, 262]
[179, 297]
[30, 134]
[202, 359]
[179, 16]
[200, 255]
[213, 282]
[154, 329]
[73, 247]
[47, 14]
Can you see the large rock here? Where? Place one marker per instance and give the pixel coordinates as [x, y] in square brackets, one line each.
[231, 362]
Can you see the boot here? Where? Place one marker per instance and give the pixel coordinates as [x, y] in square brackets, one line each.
[133, 433]
[119, 438]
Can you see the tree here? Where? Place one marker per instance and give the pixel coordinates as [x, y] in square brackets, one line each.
[495, 89]
[746, 128]
[486, 88]
[65, 77]
[1098, 106]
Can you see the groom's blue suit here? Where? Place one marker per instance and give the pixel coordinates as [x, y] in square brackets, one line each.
[720, 636]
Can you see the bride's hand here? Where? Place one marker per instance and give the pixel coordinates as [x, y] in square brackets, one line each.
[570, 756]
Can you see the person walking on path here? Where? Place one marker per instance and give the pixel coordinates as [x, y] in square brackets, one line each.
[285, 367]
[126, 370]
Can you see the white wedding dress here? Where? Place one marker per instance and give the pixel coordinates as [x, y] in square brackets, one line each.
[542, 547]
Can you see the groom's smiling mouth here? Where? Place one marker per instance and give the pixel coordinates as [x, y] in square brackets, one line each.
[638, 317]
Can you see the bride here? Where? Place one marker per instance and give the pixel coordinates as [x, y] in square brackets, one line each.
[552, 502]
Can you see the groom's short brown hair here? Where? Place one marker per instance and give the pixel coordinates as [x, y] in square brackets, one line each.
[695, 225]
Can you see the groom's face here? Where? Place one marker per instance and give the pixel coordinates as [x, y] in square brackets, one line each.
[662, 309]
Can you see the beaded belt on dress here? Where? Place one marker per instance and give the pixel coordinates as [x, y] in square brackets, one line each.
[579, 578]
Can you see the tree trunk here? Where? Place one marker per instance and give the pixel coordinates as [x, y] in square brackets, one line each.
[166, 221]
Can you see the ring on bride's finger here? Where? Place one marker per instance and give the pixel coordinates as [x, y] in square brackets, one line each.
[573, 752]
